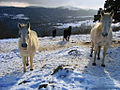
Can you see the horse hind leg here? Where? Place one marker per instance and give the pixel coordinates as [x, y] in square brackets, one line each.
[94, 62]
[27, 61]
[104, 54]
[66, 38]
[91, 52]
[99, 49]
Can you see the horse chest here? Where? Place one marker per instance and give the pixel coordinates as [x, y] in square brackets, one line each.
[103, 41]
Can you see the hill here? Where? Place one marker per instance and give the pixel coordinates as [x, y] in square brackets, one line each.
[42, 19]
[60, 65]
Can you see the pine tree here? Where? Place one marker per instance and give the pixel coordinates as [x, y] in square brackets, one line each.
[113, 6]
[110, 6]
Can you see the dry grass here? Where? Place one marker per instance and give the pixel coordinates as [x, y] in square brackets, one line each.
[63, 45]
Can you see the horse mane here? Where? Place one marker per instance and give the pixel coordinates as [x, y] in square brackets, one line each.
[98, 26]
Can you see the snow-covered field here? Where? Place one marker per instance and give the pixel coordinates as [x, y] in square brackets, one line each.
[77, 24]
[60, 65]
[18, 16]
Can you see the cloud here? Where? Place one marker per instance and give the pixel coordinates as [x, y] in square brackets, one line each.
[16, 4]
[94, 4]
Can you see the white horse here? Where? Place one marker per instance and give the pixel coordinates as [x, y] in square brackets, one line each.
[101, 35]
[28, 44]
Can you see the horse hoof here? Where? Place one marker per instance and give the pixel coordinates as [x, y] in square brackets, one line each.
[98, 58]
[27, 64]
[94, 64]
[90, 55]
[103, 65]
[31, 69]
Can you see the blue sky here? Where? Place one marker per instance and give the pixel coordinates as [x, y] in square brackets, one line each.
[87, 4]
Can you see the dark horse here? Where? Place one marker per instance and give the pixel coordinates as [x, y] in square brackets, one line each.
[67, 33]
[54, 33]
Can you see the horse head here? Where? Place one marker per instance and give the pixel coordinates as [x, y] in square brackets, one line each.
[24, 32]
[106, 20]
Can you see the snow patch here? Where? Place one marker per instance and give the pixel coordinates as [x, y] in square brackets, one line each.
[76, 73]
[76, 24]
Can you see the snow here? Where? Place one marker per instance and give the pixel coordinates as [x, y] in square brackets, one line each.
[76, 24]
[18, 16]
[59, 65]
[80, 23]
[116, 24]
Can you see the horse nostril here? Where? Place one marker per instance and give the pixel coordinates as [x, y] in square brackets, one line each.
[24, 45]
[104, 34]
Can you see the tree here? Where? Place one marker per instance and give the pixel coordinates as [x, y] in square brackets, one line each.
[111, 6]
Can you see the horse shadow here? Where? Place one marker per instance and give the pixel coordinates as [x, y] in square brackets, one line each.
[62, 43]
[11, 78]
[103, 77]
[8, 81]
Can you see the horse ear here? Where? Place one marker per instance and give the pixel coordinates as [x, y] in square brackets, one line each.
[19, 25]
[28, 25]
[112, 14]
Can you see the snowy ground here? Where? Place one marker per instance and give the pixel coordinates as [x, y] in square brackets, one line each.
[60, 65]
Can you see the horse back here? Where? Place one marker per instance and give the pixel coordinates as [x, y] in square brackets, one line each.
[34, 39]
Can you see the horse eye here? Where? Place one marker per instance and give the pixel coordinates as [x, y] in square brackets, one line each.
[27, 32]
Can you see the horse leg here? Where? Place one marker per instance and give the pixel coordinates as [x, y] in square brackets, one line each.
[99, 48]
[31, 63]
[68, 37]
[27, 61]
[63, 38]
[24, 63]
[94, 63]
[104, 54]
[91, 49]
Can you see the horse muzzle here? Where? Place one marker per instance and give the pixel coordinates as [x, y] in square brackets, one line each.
[24, 45]
[104, 34]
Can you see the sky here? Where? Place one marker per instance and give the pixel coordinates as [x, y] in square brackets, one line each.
[86, 4]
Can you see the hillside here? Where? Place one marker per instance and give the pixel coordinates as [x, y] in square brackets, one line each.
[43, 20]
[60, 65]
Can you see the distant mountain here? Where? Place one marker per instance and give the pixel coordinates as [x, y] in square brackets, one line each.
[41, 18]
[69, 8]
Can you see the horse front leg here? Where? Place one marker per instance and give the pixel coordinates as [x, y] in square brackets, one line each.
[31, 63]
[99, 49]
[24, 63]
[68, 38]
[104, 54]
[27, 61]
